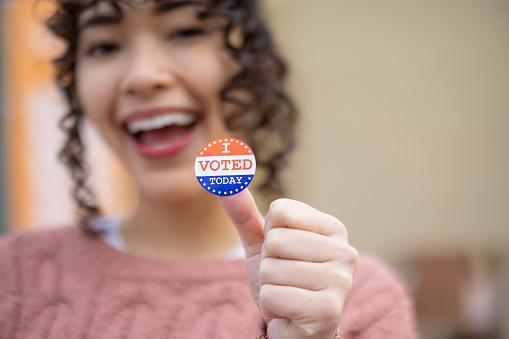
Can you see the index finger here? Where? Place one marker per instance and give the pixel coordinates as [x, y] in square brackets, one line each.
[298, 215]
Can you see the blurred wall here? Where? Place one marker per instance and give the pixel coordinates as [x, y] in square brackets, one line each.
[404, 137]
[405, 116]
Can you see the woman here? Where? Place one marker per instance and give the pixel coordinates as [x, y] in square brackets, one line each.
[159, 80]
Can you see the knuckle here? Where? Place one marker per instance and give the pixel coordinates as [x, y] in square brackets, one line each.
[265, 270]
[277, 209]
[338, 247]
[335, 272]
[309, 330]
[332, 308]
[279, 203]
[244, 216]
[352, 256]
[273, 240]
[346, 254]
[265, 293]
[346, 281]
[339, 226]
[341, 278]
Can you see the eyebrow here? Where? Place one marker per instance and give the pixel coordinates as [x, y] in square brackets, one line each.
[162, 6]
[98, 20]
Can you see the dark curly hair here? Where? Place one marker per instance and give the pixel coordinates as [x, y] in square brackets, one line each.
[267, 119]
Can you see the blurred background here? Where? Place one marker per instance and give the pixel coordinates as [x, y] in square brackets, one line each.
[404, 136]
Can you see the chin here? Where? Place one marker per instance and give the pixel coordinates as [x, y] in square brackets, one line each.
[172, 192]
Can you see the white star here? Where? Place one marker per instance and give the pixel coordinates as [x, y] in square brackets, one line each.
[236, 190]
[214, 142]
[249, 151]
[241, 187]
[210, 145]
[245, 183]
[245, 146]
[213, 190]
[208, 188]
[249, 178]
[236, 141]
[231, 192]
[201, 153]
[201, 179]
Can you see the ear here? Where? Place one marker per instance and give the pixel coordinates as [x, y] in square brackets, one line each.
[236, 37]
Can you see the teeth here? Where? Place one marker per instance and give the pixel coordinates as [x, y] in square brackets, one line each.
[160, 121]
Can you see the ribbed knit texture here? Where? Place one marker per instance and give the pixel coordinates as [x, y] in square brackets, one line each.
[63, 284]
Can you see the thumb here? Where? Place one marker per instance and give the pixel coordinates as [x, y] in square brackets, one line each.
[242, 211]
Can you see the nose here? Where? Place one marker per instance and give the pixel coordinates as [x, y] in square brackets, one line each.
[147, 72]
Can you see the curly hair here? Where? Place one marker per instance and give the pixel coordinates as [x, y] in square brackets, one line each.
[267, 119]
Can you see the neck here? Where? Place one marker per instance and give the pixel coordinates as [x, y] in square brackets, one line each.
[194, 229]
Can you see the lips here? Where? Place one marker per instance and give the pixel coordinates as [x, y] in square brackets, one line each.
[161, 132]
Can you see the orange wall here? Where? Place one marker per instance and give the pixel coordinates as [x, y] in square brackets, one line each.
[21, 72]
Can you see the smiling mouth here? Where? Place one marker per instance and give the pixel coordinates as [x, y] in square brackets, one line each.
[161, 134]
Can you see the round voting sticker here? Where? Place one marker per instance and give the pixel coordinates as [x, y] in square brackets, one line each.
[225, 166]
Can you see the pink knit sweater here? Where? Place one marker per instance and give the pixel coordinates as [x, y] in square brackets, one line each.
[63, 284]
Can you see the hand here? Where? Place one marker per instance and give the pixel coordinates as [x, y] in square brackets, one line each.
[300, 266]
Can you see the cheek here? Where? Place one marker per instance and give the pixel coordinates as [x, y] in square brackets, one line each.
[207, 71]
[95, 90]
[94, 93]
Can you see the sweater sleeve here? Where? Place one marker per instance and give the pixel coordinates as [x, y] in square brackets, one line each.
[379, 305]
[10, 299]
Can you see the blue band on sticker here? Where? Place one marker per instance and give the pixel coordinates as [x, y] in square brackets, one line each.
[225, 166]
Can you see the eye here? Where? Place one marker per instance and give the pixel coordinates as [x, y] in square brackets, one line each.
[101, 49]
[187, 33]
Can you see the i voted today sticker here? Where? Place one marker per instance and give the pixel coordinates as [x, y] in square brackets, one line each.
[225, 166]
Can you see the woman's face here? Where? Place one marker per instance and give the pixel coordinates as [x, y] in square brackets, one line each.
[149, 82]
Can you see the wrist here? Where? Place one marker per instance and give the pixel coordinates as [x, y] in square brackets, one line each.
[264, 335]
